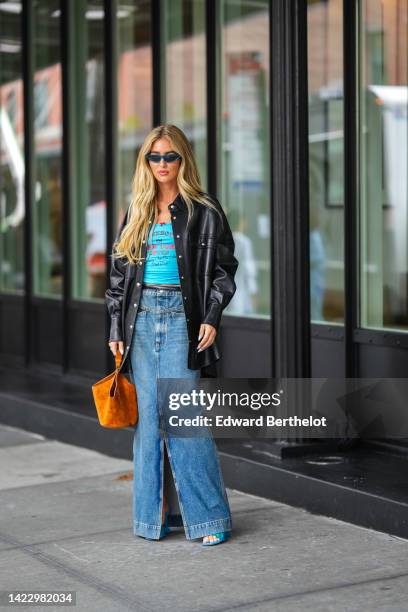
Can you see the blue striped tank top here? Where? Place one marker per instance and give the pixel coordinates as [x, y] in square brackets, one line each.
[161, 262]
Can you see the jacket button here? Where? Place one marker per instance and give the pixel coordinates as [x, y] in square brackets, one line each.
[140, 263]
[178, 235]
[171, 205]
[143, 241]
[130, 326]
[174, 217]
[135, 305]
[180, 256]
[203, 244]
[185, 297]
[127, 348]
[182, 277]
[138, 284]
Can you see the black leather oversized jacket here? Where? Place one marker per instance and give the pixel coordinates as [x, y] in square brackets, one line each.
[206, 265]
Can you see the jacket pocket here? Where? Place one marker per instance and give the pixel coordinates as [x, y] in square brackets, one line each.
[205, 241]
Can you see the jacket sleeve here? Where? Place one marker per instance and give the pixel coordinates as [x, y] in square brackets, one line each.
[225, 266]
[114, 294]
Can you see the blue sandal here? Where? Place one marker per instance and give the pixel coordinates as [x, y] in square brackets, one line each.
[221, 537]
[165, 529]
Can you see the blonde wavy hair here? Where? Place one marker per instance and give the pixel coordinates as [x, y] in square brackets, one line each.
[142, 208]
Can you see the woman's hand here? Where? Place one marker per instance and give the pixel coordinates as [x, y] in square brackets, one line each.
[207, 335]
[116, 345]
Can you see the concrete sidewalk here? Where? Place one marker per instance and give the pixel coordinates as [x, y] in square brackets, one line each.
[65, 524]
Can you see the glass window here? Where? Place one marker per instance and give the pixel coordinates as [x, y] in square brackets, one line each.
[47, 196]
[87, 120]
[184, 95]
[244, 148]
[12, 209]
[40, 102]
[383, 138]
[134, 91]
[326, 159]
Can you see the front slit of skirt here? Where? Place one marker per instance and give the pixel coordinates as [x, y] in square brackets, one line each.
[169, 487]
[175, 506]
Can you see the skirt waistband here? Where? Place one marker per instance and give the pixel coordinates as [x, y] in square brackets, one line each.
[161, 287]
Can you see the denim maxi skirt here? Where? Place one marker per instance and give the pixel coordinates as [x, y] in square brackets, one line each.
[186, 470]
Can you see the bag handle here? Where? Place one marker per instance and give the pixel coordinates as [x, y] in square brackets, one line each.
[118, 359]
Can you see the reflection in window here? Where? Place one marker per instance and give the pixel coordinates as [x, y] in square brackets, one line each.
[185, 73]
[40, 103]
[134, 87]
[383, 164]
[326, 156]
[47, 204]
[245, 169]
[87, 112]
[12, 209]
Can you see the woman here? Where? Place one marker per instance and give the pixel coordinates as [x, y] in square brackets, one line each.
[172, 275]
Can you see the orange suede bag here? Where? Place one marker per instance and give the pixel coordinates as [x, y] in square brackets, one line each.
[115, 399]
